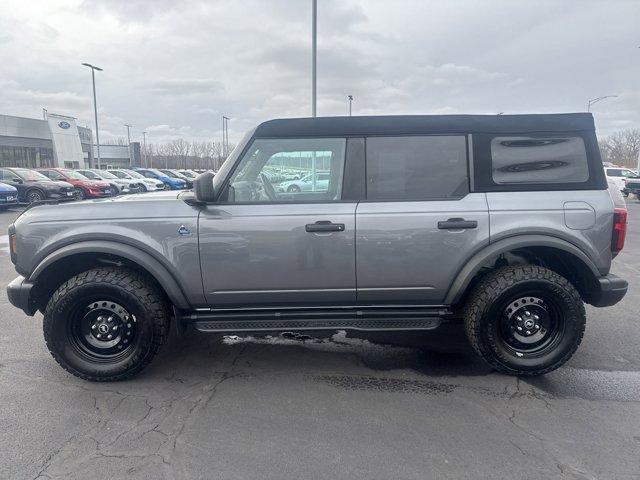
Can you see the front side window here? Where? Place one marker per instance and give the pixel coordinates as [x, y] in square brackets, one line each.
[416, 167]
[525, 159]
[289, 170]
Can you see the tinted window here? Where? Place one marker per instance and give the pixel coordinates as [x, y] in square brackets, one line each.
[539, 160]
[416, 168]
[614, 172]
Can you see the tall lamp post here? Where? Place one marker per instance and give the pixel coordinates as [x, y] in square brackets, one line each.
[225, 136]
[144, 142]
[95, 106]
[350, 97]
[598, 99]
[129, 143]
[314, 35]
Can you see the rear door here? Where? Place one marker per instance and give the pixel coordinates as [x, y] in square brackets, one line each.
[419, 223]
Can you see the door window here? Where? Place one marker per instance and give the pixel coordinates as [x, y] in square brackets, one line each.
[416, 167]
[289, 170]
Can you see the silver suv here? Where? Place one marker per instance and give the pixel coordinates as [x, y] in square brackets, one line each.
[502, 223]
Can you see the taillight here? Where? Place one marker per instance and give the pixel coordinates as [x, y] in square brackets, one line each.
[619, 230]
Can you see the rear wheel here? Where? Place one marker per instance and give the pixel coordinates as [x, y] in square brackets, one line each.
[105, 324]
[293, 189]
[525, 320]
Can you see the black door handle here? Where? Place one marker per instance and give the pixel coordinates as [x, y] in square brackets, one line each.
[324, 226]
[457, 224]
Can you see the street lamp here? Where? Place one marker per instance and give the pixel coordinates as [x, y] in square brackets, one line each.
[129, 143]
[350, 97]
[598, 99]
[225, 136]
[314, 35]
[95, 106]
[146, 156]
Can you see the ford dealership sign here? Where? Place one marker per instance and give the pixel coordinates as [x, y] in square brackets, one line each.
[64, 125]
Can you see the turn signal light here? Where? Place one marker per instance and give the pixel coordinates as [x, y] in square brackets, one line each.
[13, 245]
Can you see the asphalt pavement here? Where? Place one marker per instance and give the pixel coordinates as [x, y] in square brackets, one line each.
[216, 407]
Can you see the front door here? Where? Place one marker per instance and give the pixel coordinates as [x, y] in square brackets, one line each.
[273, 239]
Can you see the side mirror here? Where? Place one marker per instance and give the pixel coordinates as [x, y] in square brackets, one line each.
[17, 180]
[203, 188]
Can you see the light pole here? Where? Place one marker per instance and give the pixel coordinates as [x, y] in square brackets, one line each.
[95, 106]
[350, 97]
[44, 113]
[144, 142]
[314, 35]
[225, 136]
[129, 143]
[598, 99]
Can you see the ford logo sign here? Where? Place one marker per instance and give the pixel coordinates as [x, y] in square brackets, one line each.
[64, 125]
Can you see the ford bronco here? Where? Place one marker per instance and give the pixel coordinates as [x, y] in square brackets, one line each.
[503, 223]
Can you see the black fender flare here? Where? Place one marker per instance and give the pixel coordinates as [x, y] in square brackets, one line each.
[147, 262]
[493, 250]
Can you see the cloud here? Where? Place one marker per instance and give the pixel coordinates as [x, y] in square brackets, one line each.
[173, 68]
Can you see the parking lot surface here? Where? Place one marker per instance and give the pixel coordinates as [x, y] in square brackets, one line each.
[343, 407]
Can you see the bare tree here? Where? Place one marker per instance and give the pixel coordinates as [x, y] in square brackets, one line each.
[121, 141]
[621, 148]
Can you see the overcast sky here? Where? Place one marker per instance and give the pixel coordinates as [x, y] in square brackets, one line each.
[174, 67]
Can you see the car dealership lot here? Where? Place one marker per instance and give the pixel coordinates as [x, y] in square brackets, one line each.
[338, 408]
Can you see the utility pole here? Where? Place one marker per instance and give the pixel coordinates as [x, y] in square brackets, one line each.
[44, 113]
[129, 144]
[314, 36]
[350, 97]
[144, 142]
[95, 106]
[225, 136]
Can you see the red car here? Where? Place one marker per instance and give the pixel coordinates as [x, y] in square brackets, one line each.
[85, 188]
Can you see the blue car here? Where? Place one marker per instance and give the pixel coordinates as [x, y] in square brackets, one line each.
[8, 196]
[172, 183]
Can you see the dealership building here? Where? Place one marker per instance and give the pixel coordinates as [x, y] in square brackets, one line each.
[57, 142]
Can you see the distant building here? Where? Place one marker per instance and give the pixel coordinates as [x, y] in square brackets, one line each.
[34, 143]
[57, 142]
[118, 156]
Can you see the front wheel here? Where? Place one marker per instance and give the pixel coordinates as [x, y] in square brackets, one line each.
[105, 324]
[293, 189]
[525, 320]
[79, 193]
[34, 196]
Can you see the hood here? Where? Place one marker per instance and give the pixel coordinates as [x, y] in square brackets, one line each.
[148, 205]
[50, 184]
[7, 188]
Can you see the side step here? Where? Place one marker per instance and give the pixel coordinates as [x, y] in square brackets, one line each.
[337, 318]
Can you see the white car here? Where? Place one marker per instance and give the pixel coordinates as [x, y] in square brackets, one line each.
[619, 175]
[305, 184]
[148, 184]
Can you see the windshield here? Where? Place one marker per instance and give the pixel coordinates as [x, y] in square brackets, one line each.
[91, 175]
[74, 175]
[105, 174]
[31, 175]
[133, 174]
[156, 172]
[228, 164]
[170, 173]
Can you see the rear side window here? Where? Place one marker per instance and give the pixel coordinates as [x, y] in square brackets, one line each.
[523, 159]
[416, 167]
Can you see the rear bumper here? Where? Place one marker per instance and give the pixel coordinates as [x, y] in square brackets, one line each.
[19, 294]
[611, 289]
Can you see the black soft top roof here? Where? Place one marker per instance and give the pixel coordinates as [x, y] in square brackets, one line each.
[425, 124]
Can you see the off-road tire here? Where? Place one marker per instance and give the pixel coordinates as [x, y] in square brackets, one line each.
[122, 286]
[484, 309]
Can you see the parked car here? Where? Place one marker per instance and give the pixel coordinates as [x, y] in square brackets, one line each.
[34, 187]
[190, 174]
[305, 184]
[171, 183]
[118, 185]
[411, 231]
[620, 176]
[145, 184]
[84, 187]
[8, 196]
[177, 175]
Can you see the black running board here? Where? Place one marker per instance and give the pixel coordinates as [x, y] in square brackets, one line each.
[339, 318]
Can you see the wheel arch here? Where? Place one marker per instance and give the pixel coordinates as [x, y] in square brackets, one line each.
[76, 257]
[555, 253]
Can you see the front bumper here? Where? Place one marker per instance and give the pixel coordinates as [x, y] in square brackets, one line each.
[19, 294]
[611, 289]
